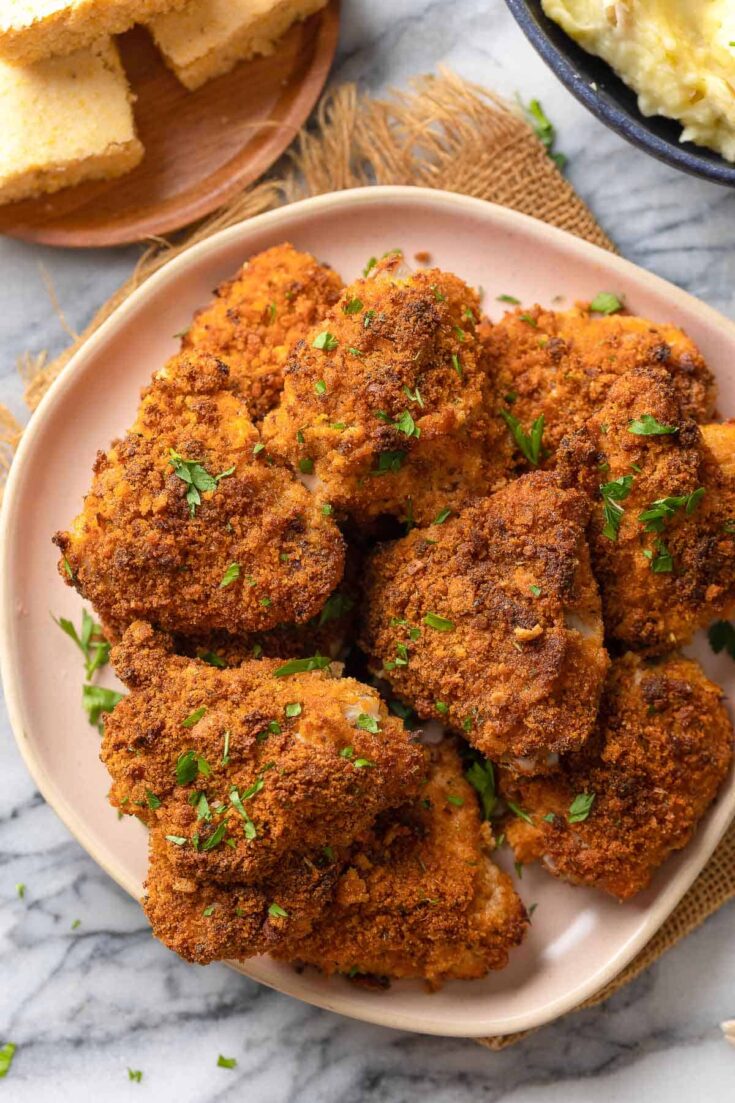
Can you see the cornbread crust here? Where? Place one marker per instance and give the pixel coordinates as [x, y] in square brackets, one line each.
[34, 29]
[64, 120]
[209, 37]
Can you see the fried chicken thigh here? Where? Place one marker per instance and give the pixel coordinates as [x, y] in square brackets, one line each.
[562, 365]
[420, 896]
[386, 405]
[249, 765]
[619, 808]
[662, 533]
[490, 623]
[257, 315]
[187, 524]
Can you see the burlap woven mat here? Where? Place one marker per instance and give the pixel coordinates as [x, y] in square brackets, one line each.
[443, 133]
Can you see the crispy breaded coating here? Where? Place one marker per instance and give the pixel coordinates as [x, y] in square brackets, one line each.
[189, 526]
[662, 533]
[205, 920]
[420, 897]
[385, 405]
[720, 439]
[245, 766]
[562, 364]
[491, 624]
[662, 750]
[256, 316]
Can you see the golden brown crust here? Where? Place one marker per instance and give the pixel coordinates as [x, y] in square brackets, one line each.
[562, 364]
[520, 668]
[306, 773]
[204, 920]
[420, 896]
[395, 417]
[136, 550]
[257, 315]
[657, 587]
[662, 750]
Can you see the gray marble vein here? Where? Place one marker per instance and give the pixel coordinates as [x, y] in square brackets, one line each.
[86, 1001]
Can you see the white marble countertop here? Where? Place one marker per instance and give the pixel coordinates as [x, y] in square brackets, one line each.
[84, 1004]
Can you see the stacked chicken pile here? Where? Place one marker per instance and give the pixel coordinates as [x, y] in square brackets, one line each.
[521, 523]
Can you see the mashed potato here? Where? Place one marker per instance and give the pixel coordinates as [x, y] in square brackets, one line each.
[678, 55]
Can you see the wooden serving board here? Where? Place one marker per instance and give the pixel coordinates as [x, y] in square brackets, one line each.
[201, 147]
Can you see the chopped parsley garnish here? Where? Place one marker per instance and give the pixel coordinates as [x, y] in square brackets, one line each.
[441, 624]
[194, 717]
[519, 812]
[368, 723]
[405, 424]
[197, 479]
[437, 294]
[460, 334]
[613, 493]
[231, 575]
[457, 364]
[258, 448]
[606, 303]
[216, 837]
[177, 840]
[355, 352]
[580, 807]
[302, 666]
[21, 890]
[401, 658]
[481, 776]
[659, 512]
[188, 765]
[328, 852]
[212, 659]
[236, 802]
[662, 562]
[363, 763]
[369, 266]
[326, 341]
[508, 299]
[414, 396]
[96, 700]
[226, 1062]
[337, 605]
[367, 321]
[135, 1074]
[545, 131]
[277, 912]
[529, 320]
[389, 462]
[90, 641]
[442, 516]
[352, 306]
[441, 707]
[75, 924]
[320, 387]
[327, 509]
[306, 466]
[226, 750]
[454, 799]
[721, 636]
[209, 910]
[535, 590]
[648, 426]
[530, 443]
[152, 800]
[293, 709]
[347, 752]
[67, 568]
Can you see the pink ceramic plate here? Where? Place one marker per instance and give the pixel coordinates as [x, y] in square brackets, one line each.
[579, 939]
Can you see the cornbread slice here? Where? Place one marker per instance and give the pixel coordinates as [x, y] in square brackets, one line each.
[34, 29]
[64, 120]
[209, 37]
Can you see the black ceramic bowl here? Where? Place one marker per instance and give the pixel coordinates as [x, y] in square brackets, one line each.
[595, 85]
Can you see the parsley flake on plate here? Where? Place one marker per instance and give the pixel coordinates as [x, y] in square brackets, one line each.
[90, 640]
[508, 299]
[519, 812]
[721, 637]
[136, 1075]
[97, 700]
[606, 303]
[368, 723]
[226, 1062]
[545, 131]
[389, 462]
[481, 776]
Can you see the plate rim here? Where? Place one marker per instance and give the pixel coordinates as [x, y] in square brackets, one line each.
[12, 677]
